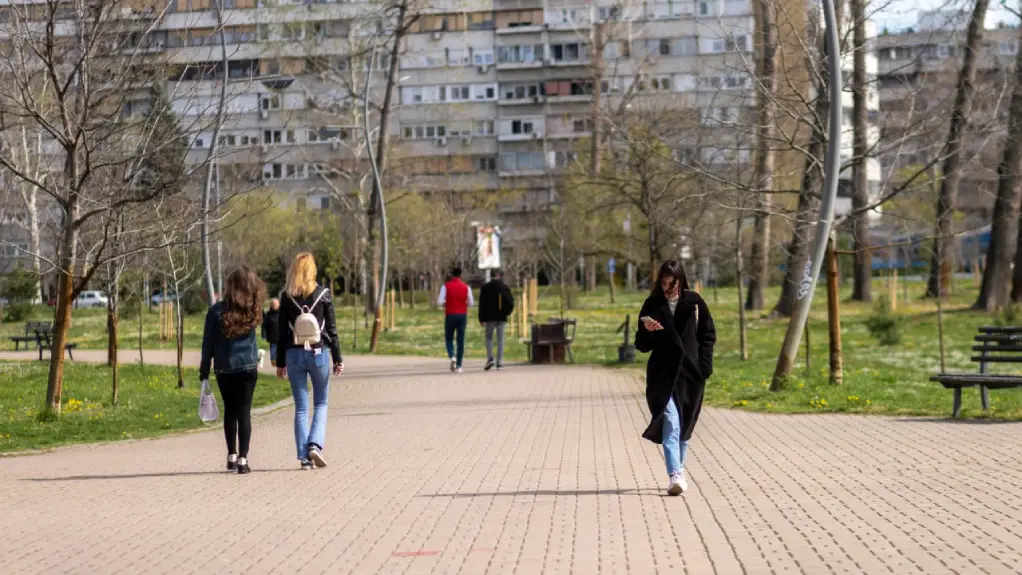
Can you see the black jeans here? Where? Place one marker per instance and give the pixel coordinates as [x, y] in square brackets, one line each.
[236, 389]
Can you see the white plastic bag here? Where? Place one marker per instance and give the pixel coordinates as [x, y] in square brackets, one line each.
[209, 411]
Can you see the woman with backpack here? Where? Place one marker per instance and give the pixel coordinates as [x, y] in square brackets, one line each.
[676, 326]
[307, 329]
[229, 342]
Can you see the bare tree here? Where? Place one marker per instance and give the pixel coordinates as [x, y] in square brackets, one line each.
[993, 293]
[759, 275]
[952, 153]
[863, 268]
[79, 90]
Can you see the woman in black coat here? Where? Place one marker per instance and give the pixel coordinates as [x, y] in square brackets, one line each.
[676, 326]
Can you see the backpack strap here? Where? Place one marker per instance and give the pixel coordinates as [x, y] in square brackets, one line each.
[322, 292]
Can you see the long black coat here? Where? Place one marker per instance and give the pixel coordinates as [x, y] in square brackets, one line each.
[681, 360]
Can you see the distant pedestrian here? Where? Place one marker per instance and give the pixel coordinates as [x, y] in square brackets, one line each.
[496, 303]
[307, 329]
[456, 297]
[229, 342]
[676, 326]
[270, 329]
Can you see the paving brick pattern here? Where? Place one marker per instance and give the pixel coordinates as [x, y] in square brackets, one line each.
[531, 470]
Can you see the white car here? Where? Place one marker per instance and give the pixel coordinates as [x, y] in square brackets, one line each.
[88, 299]
[159, 296]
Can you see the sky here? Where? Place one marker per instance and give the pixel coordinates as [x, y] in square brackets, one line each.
[900, 14]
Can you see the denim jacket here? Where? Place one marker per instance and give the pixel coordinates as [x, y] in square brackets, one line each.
[228, 355]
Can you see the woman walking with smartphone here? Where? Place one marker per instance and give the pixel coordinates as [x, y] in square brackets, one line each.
[676, 326]
[229, 342]
[307, 329]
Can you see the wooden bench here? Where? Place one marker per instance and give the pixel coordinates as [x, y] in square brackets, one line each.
[44, 340]
[30, 333]
[997, 345]
[549, 342]
[40, 332]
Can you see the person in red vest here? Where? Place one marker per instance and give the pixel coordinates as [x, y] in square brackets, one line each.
[456, 297]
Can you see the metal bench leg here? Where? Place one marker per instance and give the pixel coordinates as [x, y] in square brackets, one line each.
[958, 403]
[985, 395]
[571, 356]
[70, 354]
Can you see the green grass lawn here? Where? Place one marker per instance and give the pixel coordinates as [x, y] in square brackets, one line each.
[150, 404]
[878, 379]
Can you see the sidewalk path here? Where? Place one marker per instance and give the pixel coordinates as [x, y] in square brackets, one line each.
[531, 470]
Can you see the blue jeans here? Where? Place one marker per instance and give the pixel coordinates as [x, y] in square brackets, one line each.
[273, 353]
[674, 447]
[455, 323]
[303, 365]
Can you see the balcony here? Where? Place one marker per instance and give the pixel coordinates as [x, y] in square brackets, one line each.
[515, 65]
[520, 137]
[525, 29]
[526, 101]
[517, 4]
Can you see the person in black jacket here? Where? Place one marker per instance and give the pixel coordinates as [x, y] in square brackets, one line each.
[496, 302]
[229, 343]
[676, 326]
[270, 329]
[300, 361]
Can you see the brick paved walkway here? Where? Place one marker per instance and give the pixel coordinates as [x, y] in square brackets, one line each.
[527, 471]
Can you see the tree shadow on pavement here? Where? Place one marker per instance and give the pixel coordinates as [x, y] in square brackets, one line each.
[541, 492]
[151, 475]
[963, 421]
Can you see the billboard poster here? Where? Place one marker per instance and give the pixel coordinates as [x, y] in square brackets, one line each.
[488, 247]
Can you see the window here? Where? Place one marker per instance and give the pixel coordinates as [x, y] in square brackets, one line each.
[661, 46]
[735, 81]
[685, 46]
[482, 57]
[1007, 48]
[486, 164]
[568, 52]
[411, 95]
[271, 136]
[480, 21]
[660, 83]
[227, 141]
[520, 54]
[946, 51]
[581, 125]
[289, 137]
[269, 102]
[709, 82]
[521, 126]
[457, 58]
[483, 127]
[606, 13]
[199, 143]
[704, 8]
[324, 203]
[424, 132]
[454, 93]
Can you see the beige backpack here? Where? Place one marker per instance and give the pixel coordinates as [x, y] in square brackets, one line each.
[307, 330]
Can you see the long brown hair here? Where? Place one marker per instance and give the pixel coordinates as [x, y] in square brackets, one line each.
[244, 295]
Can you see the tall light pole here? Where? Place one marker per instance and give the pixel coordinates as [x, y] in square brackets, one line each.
[831, 168]
[381, 288]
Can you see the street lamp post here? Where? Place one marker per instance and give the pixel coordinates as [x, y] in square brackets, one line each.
[381, 289]
[831, 167]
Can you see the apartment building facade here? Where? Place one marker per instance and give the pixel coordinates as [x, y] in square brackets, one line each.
[918, 72]
[494, 98]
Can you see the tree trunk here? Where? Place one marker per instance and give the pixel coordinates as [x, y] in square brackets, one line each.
[180, 335]
[111, 349]
[952, 152]
[759, 276]
[863, 267]
[834, 316]
[1004, 225]
[65, 290]
[141, 308]
[743, 344]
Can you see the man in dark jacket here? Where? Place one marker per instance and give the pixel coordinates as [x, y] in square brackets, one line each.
[270, 322]
[495, 305]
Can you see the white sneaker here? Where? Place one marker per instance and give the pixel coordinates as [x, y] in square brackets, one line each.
[454, 365]
[460, 370]
[262, 356]
[678, 484]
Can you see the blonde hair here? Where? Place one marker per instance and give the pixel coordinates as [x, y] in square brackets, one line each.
[301, 276]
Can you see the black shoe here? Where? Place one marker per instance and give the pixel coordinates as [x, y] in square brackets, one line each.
[232, 462]
[489, 365]
[307, 465]
[243, 467]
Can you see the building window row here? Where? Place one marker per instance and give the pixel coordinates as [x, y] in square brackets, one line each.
[449, 57]
[451, 130]
[449, 93]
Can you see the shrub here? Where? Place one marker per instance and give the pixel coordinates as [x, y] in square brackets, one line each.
[882, 325]
[1010, 315]
[192, 302]
[17, 311]
[20, 287]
